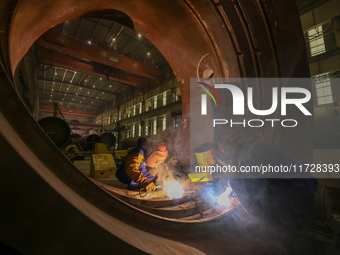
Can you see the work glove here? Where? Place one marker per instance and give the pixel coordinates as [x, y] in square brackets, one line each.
[150, 187]
[154, 179]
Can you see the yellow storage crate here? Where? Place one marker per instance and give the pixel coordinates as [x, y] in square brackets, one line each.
[120, 153]
[100, 148]
[102, 166]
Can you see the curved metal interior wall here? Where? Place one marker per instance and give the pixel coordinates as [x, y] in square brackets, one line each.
[49, 205]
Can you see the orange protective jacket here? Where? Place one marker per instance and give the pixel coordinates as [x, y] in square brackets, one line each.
[136, 169]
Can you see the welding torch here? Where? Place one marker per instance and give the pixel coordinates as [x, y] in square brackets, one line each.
[143, 192]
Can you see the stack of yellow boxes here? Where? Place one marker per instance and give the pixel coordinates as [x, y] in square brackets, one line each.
[102, 163]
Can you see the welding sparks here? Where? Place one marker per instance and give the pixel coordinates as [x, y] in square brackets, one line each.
[224, 199]
[173, 189]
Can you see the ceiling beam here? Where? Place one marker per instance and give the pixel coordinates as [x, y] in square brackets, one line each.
[111, 58]
[71, 105]
[53, 58]
[93, 90]
[75, 124]
[109, 35]
[67, 112]
[72, 95]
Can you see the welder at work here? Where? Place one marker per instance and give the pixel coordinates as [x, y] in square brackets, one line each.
[138, 172]
[276, 200]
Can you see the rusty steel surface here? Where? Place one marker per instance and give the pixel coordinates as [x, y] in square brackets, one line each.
[188, 212]
[47, 199]
[189, 208]
[159, 198]
[230, 38]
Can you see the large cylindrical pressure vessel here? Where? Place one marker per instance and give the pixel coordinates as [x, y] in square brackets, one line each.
[129, 143]
[109, 139]
[57, 129]
[87, 142]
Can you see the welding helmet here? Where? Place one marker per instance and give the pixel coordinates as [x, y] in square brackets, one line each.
[227, 145]
[157, 157]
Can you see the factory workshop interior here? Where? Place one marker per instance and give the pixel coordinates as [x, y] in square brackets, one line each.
[82, 81]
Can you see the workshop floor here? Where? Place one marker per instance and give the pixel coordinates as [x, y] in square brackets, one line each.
[85, 166]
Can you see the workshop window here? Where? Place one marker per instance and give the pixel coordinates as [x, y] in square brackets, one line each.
[146, 128]
[323, 90]
[134, 110]
[316, 41]
[154, 129]
[164, 98]
[133, 130]
[140, 108]
[164, 123]
[139, 130]
[155, 102]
